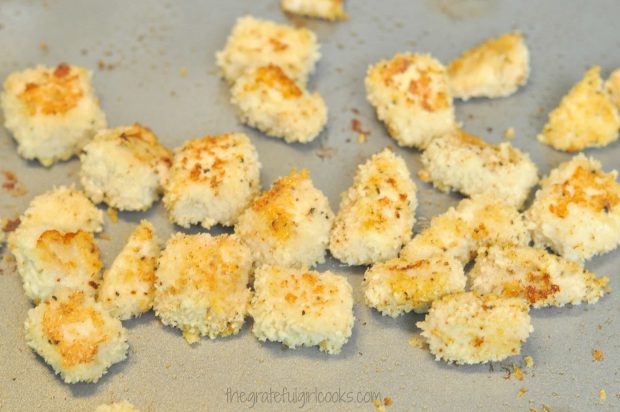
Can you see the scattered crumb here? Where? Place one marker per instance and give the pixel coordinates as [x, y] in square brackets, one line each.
[325, 152]
[104, 236]
[423, 175]
[356, 126]
[541, 110]
[101, 65]
[182, 72]
[378, 406]
[11, 185]
[361, 138]
[113, 215]
[43, 47]
[509, 133]
[168, 365]
[11, 225]
[597, 355]
[529, 361]
[518, 373]
[417, 342]
[522, 392]
[387, 401]
[602, 395]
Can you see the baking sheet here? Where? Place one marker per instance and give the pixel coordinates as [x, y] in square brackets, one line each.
[142, 46]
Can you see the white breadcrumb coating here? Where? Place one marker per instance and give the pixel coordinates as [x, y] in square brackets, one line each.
[465, 163]
[410, 94]
[123, 406]
[480, 221]
[51, 112]
[289, 224]
[267, 99]
[128, 287]
[201, 285]
[323, 9]
[493, 68]
[212, 180]
[255, 42]
[377, 213]
[299, 307]
[400, 286]
[576, 211]
[612, 87]
[467, 328]
[586, 117]
[76, 336]
[541, 278]
[125, 167]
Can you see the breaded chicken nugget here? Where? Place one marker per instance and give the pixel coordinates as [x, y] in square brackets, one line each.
[493, 68]
[201, 285]
[125, 167]
[467, 164]
[400, 286]
[410, 93]
[612, 86]
[269, 100]
[467, 328]
[576, 212]
[323, 9]
[586, 117]
[123, 406]
[302, 308]
[289, 224]
[51, 112]
[543, 279]
[377, 213]
[128, 287]
[75, 336]
[256, 42]
[212, 180]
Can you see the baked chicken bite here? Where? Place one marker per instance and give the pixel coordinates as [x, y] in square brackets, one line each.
[125, 167]
[467, 328]
[410, 94]
[299, 307]
[541, 278]
[576, 211]
[212, 180]
[323, 9]
[128, 287]
[377, 213]
[51, 112]
[289, 224]
[267, 99]
[465, 163]
[255, 42]
[75, 336]
[493, 68]
[586, 117]
[201, 285]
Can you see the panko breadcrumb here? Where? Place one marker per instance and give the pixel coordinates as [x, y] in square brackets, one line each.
[289, 224]
[377, 213]
[76, 336]
[541, 278]
[201, 285]
[400, 286]
[256, 42]
[269, 100]
[302, 308]
[612, 87]
[128, 287]
[212, 180]
[123, 406]
[51, 112]
[468, 328]
[324, 9]
[467, 164]
[493, 68]
[125, 167]
[576, 212]
[410, 94]
[586, 117]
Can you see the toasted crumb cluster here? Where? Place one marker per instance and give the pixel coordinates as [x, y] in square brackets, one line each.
[255, 42]
[586, 117]
[125, 167]
[289, 224]
[400, 286]
[75, 336]
[576, 212]
[541, 278]
[123, 406]
[269, 100]
[410, 94]
[302, 308]
[128, 287]
[323, 9]
[467, 328]
[51, 112]
[493, 68]
[469, 165]
[612, 87]
[201, 285]
[480, 221]
[377, 213]
[212, 180]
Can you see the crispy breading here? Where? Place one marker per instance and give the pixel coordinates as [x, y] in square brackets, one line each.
[324, 9]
